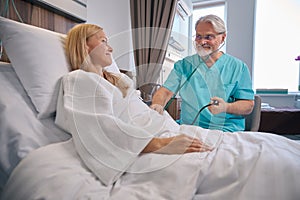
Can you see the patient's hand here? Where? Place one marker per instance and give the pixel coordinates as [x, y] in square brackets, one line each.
[157, 108]
[176, 145]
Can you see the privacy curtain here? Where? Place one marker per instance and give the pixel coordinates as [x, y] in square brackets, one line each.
[151, 22]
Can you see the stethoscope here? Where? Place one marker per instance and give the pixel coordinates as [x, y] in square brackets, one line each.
[214, 102]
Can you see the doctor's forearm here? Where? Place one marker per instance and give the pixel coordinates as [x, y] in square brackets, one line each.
[161, 97]
[240, 107]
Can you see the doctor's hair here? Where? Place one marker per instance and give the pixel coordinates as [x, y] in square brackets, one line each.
[217, 23]
[76, 43]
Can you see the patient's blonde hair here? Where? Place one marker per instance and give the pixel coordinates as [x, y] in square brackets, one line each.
[76, 44]
[77, 53]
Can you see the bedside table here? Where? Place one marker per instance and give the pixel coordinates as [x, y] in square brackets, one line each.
[175, 108]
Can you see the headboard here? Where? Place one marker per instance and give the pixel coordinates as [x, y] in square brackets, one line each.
[37, 15]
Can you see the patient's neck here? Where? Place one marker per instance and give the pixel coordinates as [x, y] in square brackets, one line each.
[95, 69]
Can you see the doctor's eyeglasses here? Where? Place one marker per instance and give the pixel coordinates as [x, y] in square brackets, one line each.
[206, 37]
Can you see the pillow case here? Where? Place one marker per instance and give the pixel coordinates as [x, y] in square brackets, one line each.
[39, 60]
[20, 130]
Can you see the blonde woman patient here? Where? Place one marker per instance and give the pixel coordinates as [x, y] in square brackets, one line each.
[87, 49]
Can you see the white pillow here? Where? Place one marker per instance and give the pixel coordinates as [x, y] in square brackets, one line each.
[39, 60]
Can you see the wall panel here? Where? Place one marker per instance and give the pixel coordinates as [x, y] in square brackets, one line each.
[36, 15]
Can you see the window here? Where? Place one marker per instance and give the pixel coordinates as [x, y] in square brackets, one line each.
[277, 44]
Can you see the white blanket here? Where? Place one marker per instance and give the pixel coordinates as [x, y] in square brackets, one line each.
[258, 167]
[241, 166]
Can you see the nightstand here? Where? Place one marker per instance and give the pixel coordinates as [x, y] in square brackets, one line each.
[175, 108]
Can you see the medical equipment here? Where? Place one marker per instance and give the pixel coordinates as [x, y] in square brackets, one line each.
[214, 102]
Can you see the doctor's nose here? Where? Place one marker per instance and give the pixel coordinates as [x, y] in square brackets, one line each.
[201, 42]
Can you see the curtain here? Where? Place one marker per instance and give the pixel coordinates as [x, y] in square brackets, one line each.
[151, 22]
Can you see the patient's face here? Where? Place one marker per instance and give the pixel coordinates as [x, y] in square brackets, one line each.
[99, 50]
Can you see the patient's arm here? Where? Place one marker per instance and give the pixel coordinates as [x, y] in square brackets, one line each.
[176, 145]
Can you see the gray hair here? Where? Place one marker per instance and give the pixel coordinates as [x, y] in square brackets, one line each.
[217, 23]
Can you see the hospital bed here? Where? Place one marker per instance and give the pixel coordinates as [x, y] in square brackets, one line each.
[38, 159]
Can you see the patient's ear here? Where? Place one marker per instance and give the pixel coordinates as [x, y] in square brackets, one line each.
[88, 48]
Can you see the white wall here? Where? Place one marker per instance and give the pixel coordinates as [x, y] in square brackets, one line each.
[240, 26]
[114, 17]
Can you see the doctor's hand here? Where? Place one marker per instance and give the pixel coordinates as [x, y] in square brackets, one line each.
[158, 108]
[220, 108]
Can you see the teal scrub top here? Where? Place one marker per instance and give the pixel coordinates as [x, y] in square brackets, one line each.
[228, 78]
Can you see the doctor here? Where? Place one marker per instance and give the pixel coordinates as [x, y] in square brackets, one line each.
[208, 76]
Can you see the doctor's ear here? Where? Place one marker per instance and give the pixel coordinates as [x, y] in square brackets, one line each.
[223, 37]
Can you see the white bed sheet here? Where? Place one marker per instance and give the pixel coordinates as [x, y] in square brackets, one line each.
[244, 166]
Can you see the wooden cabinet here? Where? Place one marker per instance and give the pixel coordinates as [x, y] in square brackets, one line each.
[280, 121]
[174, 108]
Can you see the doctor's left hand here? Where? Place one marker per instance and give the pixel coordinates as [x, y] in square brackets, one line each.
[220, 108]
